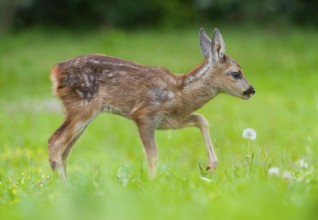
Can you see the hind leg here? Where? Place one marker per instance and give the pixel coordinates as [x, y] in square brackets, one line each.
[68, 149]
[62, 140]
[55, 147]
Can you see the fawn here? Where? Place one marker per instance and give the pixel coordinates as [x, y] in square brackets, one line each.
[152, 97]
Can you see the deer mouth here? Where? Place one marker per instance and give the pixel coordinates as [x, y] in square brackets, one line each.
[248, 93]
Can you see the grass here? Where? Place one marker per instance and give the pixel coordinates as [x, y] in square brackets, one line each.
[107, 171]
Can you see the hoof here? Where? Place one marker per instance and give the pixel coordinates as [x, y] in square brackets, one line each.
[59, 170]
[212, 166]
[53, 165]
[61, 174]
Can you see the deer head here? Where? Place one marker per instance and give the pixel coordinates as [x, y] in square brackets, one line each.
[226, 73]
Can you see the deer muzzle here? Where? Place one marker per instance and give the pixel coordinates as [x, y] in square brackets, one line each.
[249, 92]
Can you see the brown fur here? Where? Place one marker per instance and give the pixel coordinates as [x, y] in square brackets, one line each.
[152, 97]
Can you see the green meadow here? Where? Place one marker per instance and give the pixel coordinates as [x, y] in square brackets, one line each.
[274, 176]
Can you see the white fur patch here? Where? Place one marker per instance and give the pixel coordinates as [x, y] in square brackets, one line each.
[122, 73]
[86, 80]
[170, 95]
[111, 109]
[95, 62]
[77, 62]
[120, 64]
[199, 73]
[54, 83]
[79, 93]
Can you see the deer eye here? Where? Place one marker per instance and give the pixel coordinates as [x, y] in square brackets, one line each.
[236, 75]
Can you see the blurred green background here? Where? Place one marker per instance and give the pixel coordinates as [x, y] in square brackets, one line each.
[276, 43]
[129, 14]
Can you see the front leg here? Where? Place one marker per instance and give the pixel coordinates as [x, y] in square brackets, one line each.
[200, 122]
[196, 120]
[147, 136]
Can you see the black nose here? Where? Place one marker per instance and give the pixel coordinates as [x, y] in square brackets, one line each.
[250, 91]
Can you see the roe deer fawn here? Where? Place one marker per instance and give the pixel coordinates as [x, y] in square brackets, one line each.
[152, 97]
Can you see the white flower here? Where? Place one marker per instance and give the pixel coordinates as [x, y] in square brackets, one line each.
[273, 171]
[302, 164]
[249, 133]
[287, 175]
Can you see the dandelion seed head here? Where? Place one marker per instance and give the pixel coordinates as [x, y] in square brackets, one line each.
[302, 164]
[287, 175]
[249, 133]
[273, 171]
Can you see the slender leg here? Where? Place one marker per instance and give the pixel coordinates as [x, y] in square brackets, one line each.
[147, 135]
[196, 120]
[68, 149]
[200, 122]
[62, 140]
[55, 146]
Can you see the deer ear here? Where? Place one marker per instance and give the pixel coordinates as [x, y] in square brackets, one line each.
[218, 46]
[205, 43]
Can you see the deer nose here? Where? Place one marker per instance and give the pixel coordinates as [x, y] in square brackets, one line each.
[250, 91]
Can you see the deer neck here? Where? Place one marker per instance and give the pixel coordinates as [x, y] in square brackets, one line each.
[199, 86]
